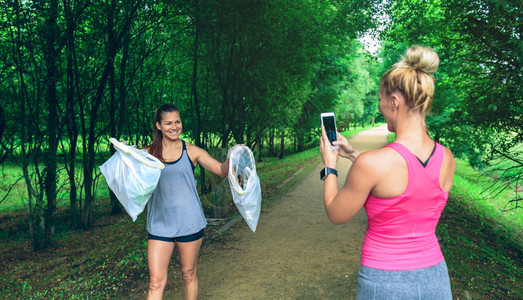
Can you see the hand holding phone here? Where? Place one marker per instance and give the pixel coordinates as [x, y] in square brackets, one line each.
[329, 122]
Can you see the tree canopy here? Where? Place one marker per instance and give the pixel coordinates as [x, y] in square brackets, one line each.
[478, 104]
[75, 72]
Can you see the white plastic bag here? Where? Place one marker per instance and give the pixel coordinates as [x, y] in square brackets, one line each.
[245, 184]
[132, 175]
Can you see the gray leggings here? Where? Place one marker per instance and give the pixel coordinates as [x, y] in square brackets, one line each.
[428, 283]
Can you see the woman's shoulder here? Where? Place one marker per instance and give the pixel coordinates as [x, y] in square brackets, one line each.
[377, 155]
[448, 160]
[447, 151]
[192, 148]
[194, 151]
[380, 160]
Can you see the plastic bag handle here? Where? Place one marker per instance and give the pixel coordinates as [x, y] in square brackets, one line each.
[149, 160]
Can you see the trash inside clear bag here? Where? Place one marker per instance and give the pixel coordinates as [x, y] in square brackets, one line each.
[245, 184]
[132, 175]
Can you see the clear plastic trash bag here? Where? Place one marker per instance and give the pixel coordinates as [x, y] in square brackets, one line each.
[132, 174]
[245, 184]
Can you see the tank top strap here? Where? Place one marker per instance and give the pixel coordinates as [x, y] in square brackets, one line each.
[186, 153]
[404, 152]
[433, 166]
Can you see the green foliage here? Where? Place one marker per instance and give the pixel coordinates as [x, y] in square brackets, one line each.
[241, 72]
[345, 83]
[356, 88]
[391, 137]
[478, 105]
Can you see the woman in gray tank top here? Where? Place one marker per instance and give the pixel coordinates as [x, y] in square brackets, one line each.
[174, 211]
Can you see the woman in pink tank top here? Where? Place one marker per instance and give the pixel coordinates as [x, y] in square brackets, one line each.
[403, 186]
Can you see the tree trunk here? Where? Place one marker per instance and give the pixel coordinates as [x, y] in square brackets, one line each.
[35, 212]
[259, 142]
[271, 141]
[89, 153]
[3, 147]
[116, 208]
[71, 125]
[122, 90]
[194, 90]
[52, 123]
[300, 140]
[282, 144]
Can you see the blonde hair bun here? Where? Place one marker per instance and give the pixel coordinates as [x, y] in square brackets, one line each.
[420, 58]
[412, 77]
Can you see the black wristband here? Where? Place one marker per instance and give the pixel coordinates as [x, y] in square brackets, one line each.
[326, 171]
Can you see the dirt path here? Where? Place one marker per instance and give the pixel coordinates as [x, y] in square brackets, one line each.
[296, 253]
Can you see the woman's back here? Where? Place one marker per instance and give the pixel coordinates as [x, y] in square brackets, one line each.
[401, 230]
[391, 170]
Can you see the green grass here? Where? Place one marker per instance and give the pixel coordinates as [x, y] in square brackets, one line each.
[483, 257]
[475, 190]
[13, 185]
[482, 237]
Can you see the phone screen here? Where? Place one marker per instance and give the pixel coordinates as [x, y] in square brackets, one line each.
[330, 127]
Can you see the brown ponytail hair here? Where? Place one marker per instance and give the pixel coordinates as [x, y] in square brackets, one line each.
[155, 149]
[412, 77]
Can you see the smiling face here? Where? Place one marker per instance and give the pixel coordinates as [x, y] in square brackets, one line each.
[170, 125]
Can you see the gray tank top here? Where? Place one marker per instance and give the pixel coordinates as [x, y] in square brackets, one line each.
[174, 208]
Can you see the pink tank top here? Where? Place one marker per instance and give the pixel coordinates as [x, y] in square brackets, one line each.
[401, 230]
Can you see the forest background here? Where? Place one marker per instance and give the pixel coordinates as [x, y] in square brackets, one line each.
[257, 72]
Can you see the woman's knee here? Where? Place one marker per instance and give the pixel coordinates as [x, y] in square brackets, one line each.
[157, 283]
[189, 274]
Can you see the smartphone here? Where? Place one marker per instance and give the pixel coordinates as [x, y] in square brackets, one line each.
[328, 120]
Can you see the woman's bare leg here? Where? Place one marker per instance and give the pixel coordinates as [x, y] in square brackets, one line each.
[188, 253]
[158, 254]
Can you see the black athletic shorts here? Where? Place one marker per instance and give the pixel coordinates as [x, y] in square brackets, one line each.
[181, 239]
